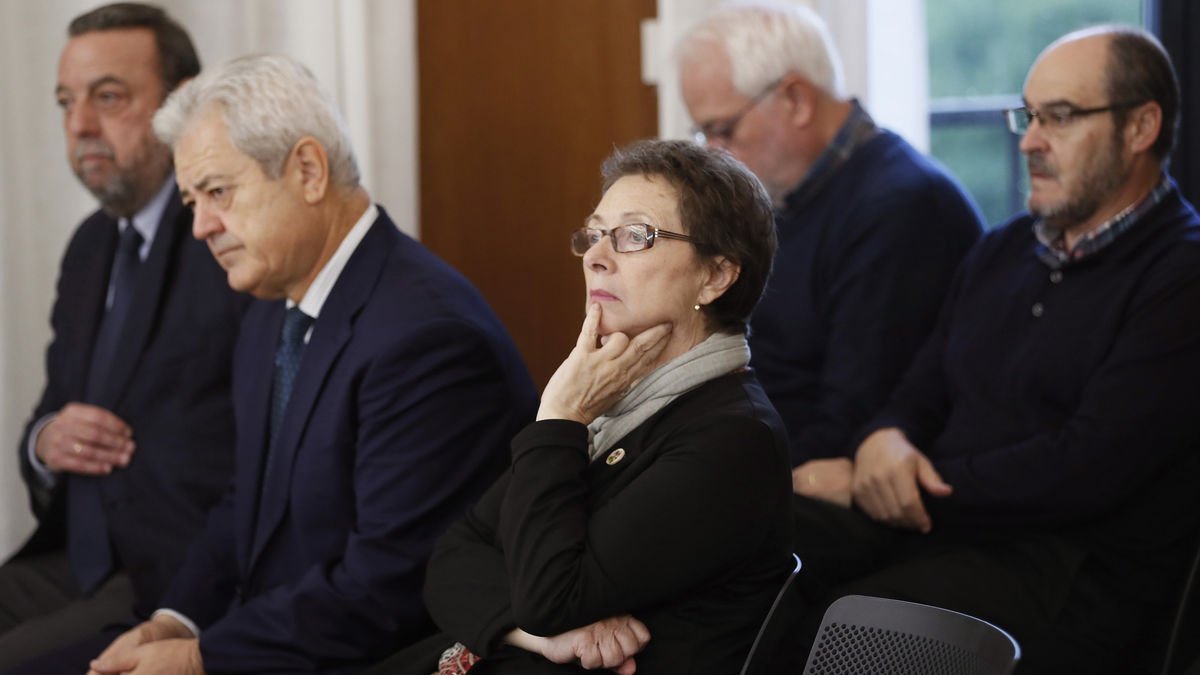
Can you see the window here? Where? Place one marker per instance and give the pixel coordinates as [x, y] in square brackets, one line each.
[979, 54]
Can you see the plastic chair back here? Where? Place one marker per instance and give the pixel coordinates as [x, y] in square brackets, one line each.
[861, 634]
[757, 658]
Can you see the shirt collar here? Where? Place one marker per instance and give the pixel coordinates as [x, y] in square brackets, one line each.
[854, 132]
[146, 220]
[314, 298]
[1052, 241]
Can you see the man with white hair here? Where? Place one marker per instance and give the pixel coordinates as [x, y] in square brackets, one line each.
[375, 393]
[870, 231]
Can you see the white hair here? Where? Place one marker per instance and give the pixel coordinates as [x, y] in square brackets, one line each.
[269, 102]
[765, 40]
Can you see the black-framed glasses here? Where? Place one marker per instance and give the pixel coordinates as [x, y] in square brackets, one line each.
[624, 238]
[723, 130]
[1056, 116]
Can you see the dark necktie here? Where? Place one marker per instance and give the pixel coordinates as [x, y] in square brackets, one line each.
[89, 547]
[108, 337]
[287, 364]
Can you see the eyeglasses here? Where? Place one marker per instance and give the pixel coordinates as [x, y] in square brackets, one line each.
[723, 130]
[1055, 117]
[625, 238]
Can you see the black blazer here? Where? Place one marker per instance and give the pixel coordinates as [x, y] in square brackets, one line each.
[689, 531]
[170, 383]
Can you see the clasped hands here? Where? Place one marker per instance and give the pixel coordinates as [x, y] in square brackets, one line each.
[609, 643]
[600, 370]
[160, 646]
[885, 480]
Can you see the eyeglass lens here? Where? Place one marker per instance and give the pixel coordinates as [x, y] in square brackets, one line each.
[624, 238]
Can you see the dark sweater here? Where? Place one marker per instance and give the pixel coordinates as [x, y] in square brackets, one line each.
[863, 265]
[689, 531]
[1066, 402]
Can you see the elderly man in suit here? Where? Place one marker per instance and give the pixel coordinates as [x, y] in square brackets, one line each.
[129, 445]
[374, 393]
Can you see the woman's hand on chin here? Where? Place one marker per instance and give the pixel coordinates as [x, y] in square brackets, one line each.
[597, 373]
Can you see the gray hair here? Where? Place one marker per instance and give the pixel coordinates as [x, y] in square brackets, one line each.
[766, 40]
[269, 102]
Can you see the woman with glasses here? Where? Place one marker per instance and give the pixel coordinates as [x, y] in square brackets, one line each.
[644, 522]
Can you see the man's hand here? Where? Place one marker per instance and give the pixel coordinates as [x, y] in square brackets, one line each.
[125, 653]
[889, 473]
[827, 479]
[176, 656]
[608, 643]
[84, 439]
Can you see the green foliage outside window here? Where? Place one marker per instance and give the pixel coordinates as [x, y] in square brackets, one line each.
[985, 48]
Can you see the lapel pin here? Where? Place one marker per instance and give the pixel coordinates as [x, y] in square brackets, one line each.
[615, 456]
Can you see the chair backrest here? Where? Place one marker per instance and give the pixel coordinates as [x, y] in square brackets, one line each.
[1181, 644]
[860, 634]
[757, 657]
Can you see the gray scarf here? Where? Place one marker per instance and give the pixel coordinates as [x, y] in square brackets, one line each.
[720, 354]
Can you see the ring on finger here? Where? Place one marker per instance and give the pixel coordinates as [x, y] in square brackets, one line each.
[77, 448]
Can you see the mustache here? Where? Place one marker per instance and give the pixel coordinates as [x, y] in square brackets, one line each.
[93, 147]
[1037, 163]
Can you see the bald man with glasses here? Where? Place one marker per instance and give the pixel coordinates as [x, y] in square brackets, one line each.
[1037, 466]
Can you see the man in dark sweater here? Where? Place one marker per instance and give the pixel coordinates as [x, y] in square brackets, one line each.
[1038, 465]
[870, 231]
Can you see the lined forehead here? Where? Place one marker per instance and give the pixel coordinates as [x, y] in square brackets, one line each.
[640, 198]
[1072, 71]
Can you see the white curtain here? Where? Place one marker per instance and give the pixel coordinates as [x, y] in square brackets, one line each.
[364, 51]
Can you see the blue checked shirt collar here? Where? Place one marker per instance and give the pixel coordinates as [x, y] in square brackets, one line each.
[856, 130]
[1052, 241]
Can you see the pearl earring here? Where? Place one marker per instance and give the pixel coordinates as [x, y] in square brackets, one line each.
[696, 307]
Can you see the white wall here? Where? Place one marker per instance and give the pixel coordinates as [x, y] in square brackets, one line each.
[362, 50]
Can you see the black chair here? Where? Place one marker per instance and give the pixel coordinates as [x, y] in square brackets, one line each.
[860, 635]
[767, 638]
[1182, 644]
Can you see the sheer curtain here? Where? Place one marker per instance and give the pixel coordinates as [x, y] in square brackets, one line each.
[364, 51]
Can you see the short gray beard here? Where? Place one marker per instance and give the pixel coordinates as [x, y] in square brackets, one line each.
[1102, 176]
[122, 195]
[117, 195]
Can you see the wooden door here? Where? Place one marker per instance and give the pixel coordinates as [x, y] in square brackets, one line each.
[520, 101]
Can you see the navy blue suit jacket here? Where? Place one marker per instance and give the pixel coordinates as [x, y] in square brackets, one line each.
[170, 382]
[399, 418]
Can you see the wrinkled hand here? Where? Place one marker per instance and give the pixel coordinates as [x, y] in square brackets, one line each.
[608, 643]
[177, 656]
[84, 439]
[127, 652]
[889, 473]
[596, 376]
[827, 479]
